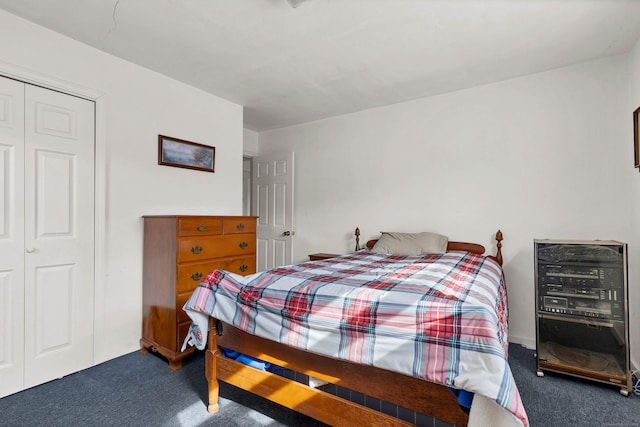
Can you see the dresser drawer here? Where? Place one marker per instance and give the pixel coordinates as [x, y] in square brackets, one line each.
[190, 275]
[199, 226]
[239, 225]
[202, 248]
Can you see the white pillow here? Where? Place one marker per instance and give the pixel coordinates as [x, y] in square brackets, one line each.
[411, 243]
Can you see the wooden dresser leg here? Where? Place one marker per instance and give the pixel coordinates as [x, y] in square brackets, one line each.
[144, 347]
[212, 379]
[175, 365]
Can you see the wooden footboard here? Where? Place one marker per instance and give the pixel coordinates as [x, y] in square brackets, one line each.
[412, 393]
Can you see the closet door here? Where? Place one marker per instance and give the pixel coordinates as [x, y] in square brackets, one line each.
[46, 235]
[11, 235]
[59, 234]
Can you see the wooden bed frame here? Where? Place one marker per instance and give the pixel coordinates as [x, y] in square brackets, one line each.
[412, 393]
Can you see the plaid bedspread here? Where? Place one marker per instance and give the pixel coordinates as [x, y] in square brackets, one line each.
[442, 318]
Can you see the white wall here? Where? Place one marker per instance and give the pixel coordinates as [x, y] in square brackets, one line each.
[541, 156]
[250, 142]
[138, 105]
[634, 234]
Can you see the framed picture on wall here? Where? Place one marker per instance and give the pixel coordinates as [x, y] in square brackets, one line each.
[636, 136]
[185, 154]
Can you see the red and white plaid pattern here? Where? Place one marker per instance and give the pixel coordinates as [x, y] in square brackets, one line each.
[442, 318]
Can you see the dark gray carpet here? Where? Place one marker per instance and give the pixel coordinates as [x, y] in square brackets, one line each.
[137, 390]
[560, 400]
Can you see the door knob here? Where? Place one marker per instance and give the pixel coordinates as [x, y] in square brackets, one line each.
[30, 250]
[288, 233]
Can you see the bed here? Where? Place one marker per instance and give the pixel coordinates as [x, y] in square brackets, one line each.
[368, 322]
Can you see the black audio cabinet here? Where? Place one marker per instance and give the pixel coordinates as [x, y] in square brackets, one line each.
[582, 310]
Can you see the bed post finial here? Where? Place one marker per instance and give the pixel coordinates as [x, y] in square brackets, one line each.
[357, 239]
[499, 246]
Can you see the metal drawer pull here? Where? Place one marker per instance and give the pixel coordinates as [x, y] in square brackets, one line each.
[201, 228]
[240, 226]
[196, 276]
[196, 250]
[244, 245]
[243, 268]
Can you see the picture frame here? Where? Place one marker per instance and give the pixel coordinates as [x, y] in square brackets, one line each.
[636, 137]
[185, 154]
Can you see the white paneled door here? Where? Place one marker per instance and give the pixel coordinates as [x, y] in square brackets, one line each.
[11, 236]
[48, 210]
[273, 204]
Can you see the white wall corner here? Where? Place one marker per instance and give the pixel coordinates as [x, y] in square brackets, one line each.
[250, 143]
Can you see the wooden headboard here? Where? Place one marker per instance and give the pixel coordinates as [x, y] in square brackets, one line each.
[458, 246]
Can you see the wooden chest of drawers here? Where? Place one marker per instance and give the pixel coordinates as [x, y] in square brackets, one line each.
[179, 251]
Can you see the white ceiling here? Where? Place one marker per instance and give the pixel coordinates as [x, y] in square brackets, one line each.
[324, 58]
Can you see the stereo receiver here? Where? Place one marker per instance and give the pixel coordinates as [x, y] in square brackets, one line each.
[577, 280]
